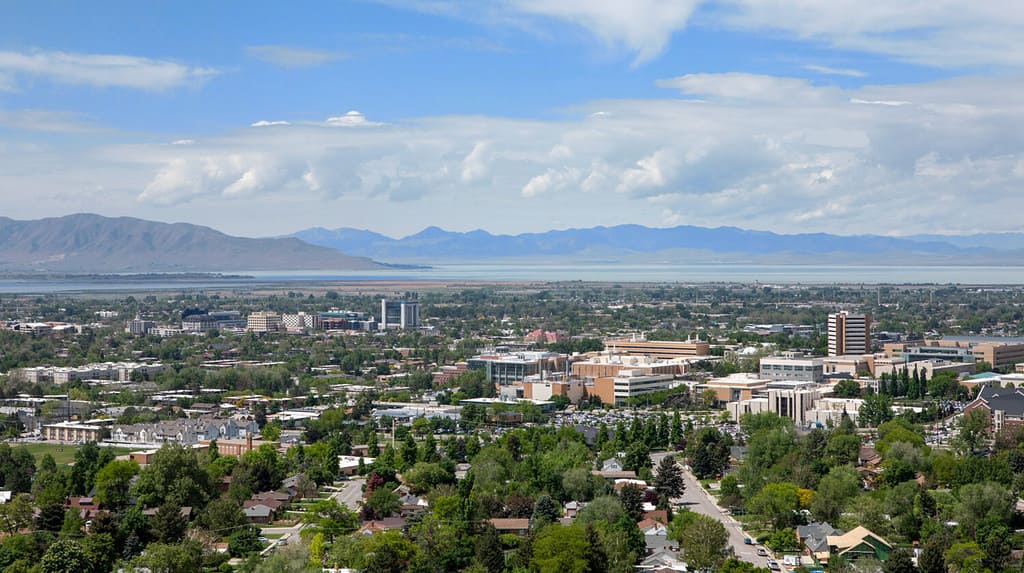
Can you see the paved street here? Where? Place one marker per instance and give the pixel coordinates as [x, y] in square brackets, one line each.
[696, 500]
[348, 494]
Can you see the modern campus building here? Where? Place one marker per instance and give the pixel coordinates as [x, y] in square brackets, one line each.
[399, 314]
[264, 322]
[664, 349]
[800, 369]
[848, 333]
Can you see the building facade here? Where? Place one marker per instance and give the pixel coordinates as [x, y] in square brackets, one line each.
[793, 369]
[848, 333]
[264, 322]
[399, 314]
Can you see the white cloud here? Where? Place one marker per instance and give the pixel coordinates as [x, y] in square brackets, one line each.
[551, 180]
[951, 154]
[939, 33]
[183, 142]
[265, 123]
[102, 70]
[46, 120]
[474, 166]
[642, 26]
[351, 118]
[293, 57]
[830, 71]
[749, 87]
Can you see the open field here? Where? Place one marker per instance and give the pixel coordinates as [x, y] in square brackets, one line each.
[62, 453]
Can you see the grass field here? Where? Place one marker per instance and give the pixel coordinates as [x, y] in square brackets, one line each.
[62, 453]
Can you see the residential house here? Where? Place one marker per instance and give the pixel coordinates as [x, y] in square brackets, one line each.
[515, 526]
[259, 513]
[814, 539]
[859, 543]
[379, 525]
[662, 561]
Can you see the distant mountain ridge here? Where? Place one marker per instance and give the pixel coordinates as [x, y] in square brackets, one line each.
[93, 243]
[686, 241]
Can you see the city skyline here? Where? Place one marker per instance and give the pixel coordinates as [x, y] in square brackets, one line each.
[783, 116]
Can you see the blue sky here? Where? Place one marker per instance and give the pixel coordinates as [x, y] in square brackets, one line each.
[515, 115]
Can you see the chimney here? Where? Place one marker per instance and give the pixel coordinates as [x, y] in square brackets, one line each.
[248, 441]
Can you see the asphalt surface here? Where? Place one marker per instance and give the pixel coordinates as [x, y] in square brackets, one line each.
[696, 500]
[349, 494]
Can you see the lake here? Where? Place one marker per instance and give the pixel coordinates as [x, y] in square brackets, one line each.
[590, 272]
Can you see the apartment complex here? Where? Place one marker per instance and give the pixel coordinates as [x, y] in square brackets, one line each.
[399, 314]
[139, 327]
[848, 333]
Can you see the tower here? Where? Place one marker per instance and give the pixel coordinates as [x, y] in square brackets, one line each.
[848, 333]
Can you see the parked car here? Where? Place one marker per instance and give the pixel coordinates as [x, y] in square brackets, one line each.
[762, 551]
[774, 565]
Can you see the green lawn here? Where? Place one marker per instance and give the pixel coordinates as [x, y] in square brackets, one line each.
[62, 454]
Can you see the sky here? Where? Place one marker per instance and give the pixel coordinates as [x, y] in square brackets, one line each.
[262, 118]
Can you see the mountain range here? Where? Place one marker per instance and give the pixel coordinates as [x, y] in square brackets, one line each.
[93, 243]
[675, 244]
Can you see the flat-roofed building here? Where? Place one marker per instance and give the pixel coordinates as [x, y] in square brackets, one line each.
[605, 365]
[263, 321]
[803, 369]
[502, 368]
[72, 432]
[618, 389]
[734, 387]
[787, 403]
[657, 348]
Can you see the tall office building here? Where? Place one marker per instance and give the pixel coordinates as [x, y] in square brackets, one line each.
[848, 333]
[399, 314]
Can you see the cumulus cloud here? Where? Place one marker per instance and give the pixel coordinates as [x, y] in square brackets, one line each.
[101, 70]
[292, 57]
[952, 153]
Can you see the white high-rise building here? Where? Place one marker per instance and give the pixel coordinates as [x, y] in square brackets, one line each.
[399, 314]
[848, 333]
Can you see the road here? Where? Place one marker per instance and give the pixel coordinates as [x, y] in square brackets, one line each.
[696, 500]
[349, 494]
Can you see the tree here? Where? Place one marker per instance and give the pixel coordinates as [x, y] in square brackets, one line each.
[899, 562]
[222, 515]
[704, 543]
[776, 503]
[168, 524]
[560, 549]
[113, 483]
[16, 514]
[63, 556]
[544, 512]
[875, 410]
[931, 559]
[173, 475]
[964, 558]
[244, 541]
[606, 508]
[834, 490]
[184, 557]
[973, 426]
[101, 552]
[489, 553]
[846, 388]
[709, 453]
[638, 456]
[669, 482]
[632, 500]
[383, 502]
